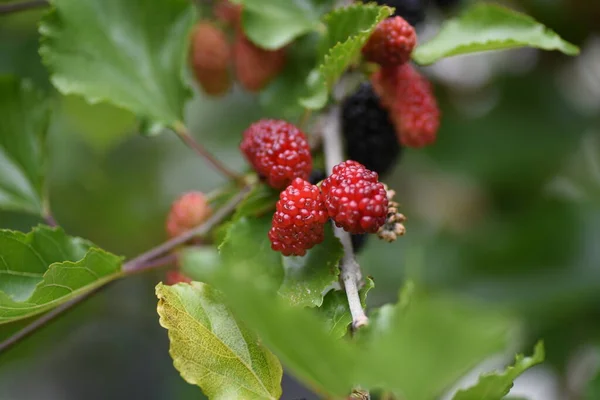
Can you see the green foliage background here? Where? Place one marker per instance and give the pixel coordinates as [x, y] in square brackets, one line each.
[481, 218]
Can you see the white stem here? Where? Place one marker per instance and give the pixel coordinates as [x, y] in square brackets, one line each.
[350, 270]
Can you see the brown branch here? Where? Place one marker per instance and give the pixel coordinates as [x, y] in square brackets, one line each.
[187, 138]
[10, 8]
[152, 259]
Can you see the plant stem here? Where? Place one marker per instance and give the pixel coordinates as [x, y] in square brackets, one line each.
[152, 259]
[10, 8]
[187, 138]
[350, 270]
[200, 230]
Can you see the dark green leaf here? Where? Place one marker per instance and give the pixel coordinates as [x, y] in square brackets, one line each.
[24, 115]
[336, 312]
[496, 385]
[306, 278]
[121, 52]
[489, 27]
[271, 24]
[45, 268]
[211, 349]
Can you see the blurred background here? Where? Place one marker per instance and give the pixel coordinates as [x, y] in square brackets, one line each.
[504, 207]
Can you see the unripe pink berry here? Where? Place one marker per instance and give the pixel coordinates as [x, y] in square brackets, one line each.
[187, 212]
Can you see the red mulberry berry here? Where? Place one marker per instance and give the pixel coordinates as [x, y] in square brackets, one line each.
[299, 219]
[355, 199]
[409, 97]
[278, 151]
[187, 212]
[210, 56]
[255, 67]
[391, 43]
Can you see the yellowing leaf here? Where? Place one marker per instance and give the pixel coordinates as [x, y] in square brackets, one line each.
[211, 349]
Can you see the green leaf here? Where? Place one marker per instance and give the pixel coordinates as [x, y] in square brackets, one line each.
[121, 52]
[348, 29]
[592, 391]
[301, 280]
[496, 385]
[211, 349]
[24, 114]
[297, 336]
[199, 262]
[489, 27]
[281, 97]
[336, 312]
[259, 201]
[45, 268]
[307, 278]
[246, 242]
[429, 339]
[271, 24]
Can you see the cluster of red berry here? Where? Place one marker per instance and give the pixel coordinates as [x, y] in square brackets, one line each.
[211, 54]
[351, 196]
[405, 93]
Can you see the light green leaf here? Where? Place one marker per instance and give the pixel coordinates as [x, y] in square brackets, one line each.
[306, 278]
[489, 27]
[429, 339]
[271, 24]
[24, 115]
[121, 52]
[496, 385]
[211, 349]
[199, 262]
[102, 126]
[45, 268]
[336, 312]
[348, 29]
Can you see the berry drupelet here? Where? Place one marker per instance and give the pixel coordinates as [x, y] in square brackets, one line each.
[391, 43]
[299, 220]
[278, 151]
[411, 102]
[369, 134]
[355, 199]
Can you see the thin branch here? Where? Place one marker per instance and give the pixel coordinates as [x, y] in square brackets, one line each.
[185, 136]
[350, 270]
[44, 320]
[200, 230]
[10, 8]
[152, 259]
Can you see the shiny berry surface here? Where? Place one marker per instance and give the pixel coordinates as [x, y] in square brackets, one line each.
[299, 220]
[278, 151]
